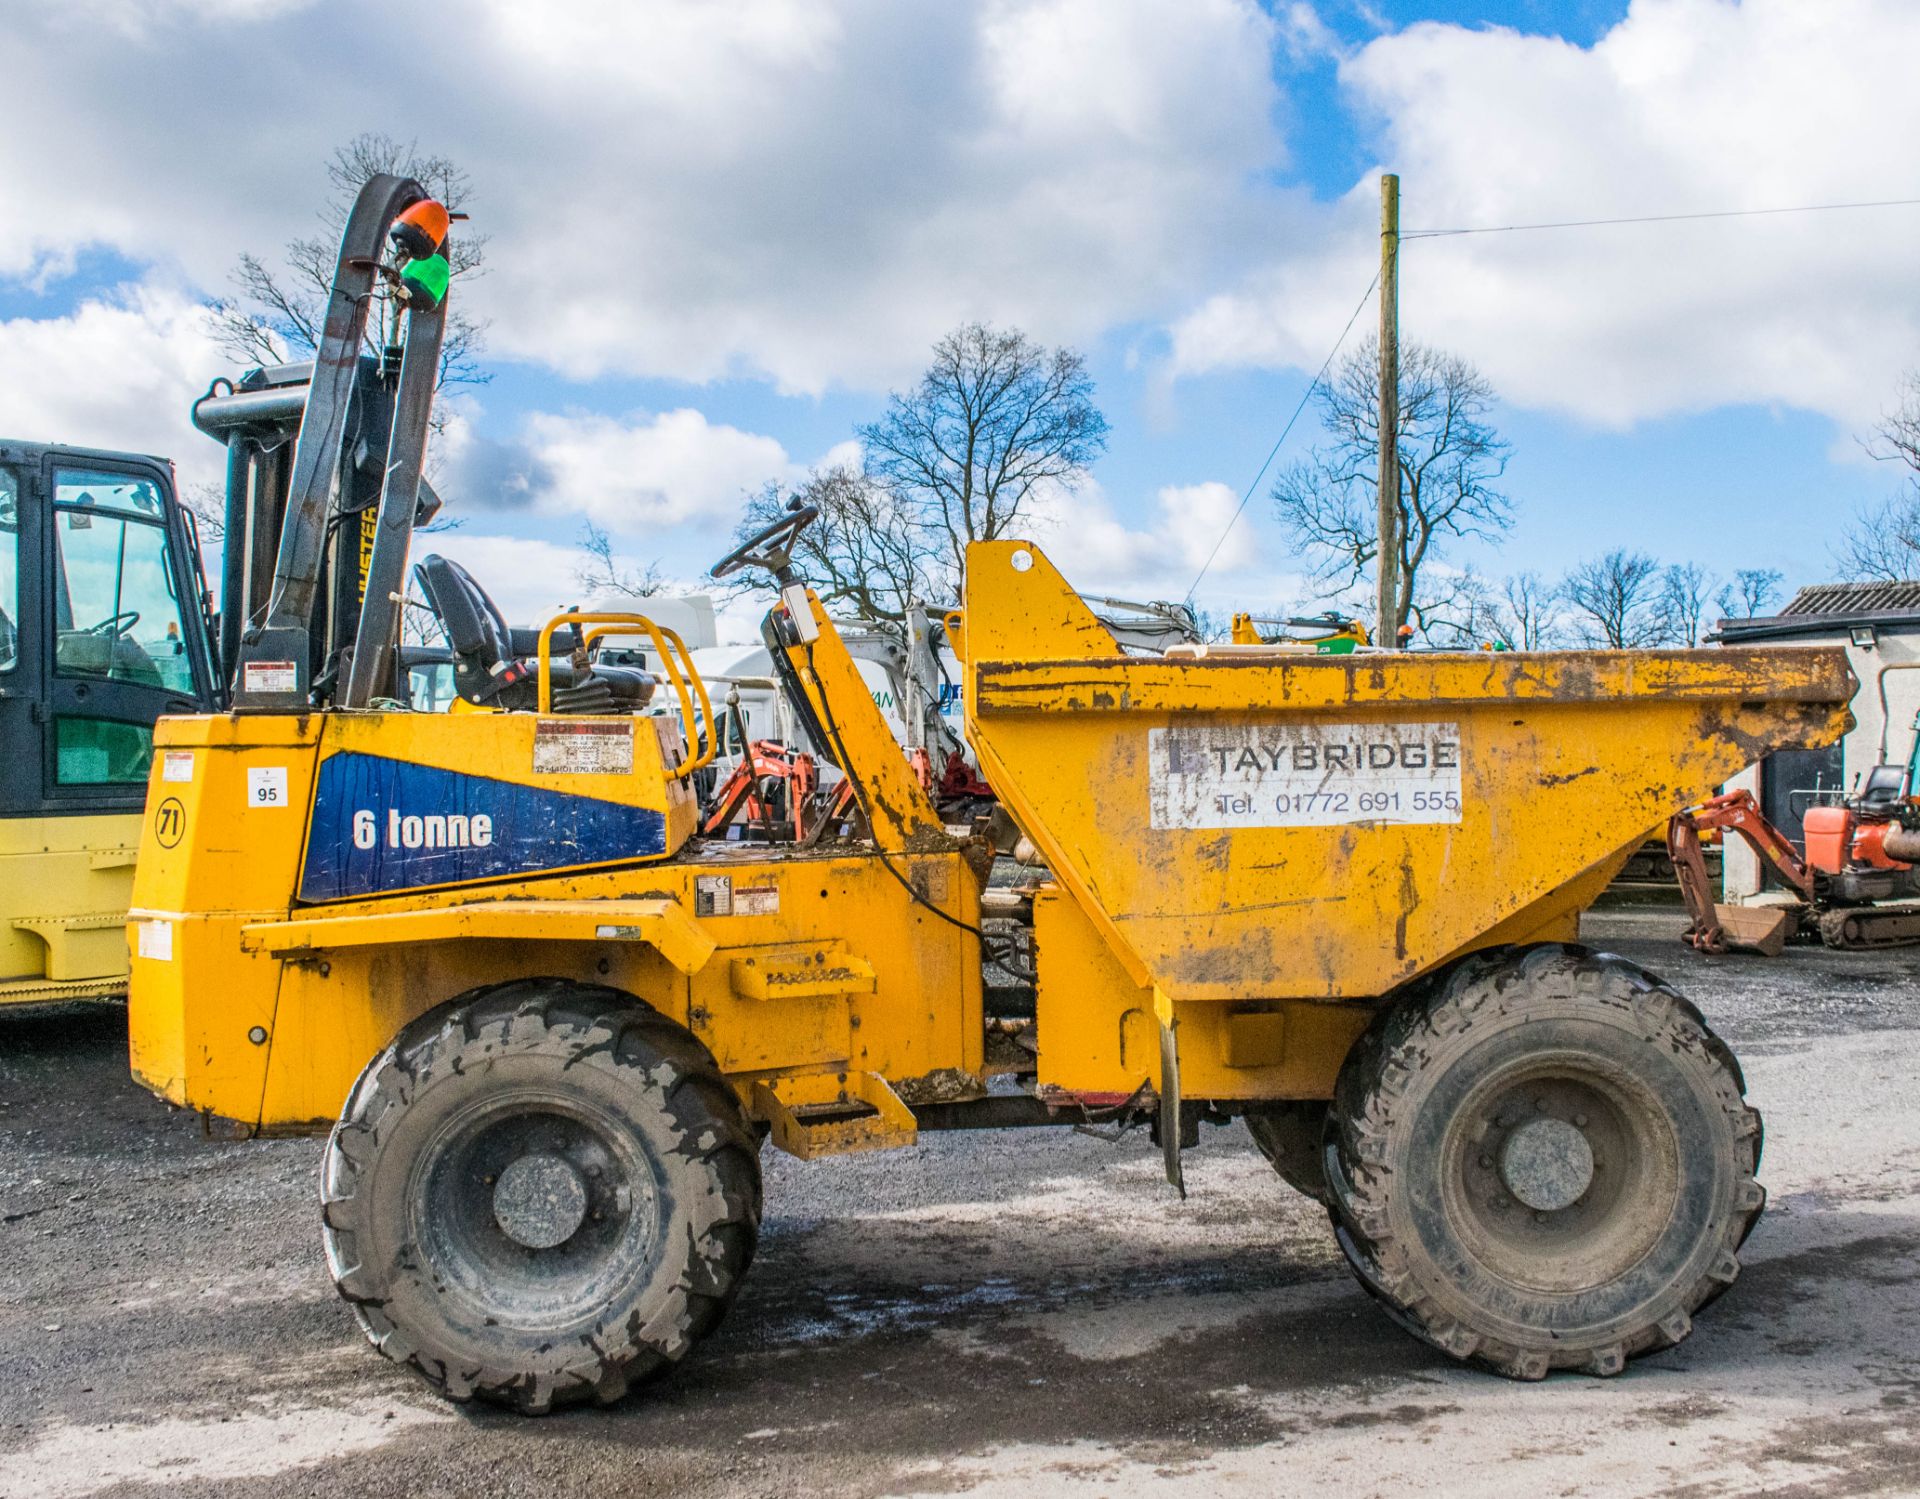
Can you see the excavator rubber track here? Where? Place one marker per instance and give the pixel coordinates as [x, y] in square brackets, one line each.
[1857, 928]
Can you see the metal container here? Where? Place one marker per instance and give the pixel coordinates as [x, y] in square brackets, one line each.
[1254, 823]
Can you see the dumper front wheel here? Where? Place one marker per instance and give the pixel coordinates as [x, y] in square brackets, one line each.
[1544, 1161]
[541, 1194]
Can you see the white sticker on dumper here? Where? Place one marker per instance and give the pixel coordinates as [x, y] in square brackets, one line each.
[1303, 774]
[583, 746]
[155, 940]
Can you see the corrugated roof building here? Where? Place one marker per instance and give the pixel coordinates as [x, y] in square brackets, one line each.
[1857, 598]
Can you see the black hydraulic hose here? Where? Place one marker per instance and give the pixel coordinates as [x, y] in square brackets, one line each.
[860, 796]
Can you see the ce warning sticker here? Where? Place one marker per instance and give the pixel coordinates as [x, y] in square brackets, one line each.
[1303, 775]
[583, 746]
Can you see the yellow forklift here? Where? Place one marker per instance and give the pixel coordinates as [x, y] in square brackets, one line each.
[103, 628]
[549, 1028]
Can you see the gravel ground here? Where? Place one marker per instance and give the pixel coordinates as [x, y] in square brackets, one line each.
[987, 1314]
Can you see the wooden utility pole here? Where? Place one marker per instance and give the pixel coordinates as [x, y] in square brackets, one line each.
[1387, 632]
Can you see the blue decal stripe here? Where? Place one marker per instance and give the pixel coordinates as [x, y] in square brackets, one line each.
[381, 825]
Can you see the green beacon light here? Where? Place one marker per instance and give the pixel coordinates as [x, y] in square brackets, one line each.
[424, 282]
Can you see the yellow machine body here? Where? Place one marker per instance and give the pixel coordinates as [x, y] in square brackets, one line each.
[65, 883]
[284, 930]
[1229, 869]
[295, 907]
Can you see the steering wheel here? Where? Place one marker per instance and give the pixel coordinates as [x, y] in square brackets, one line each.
[116, 624]
[770, 547]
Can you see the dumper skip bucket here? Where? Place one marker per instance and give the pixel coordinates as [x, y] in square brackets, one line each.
[1247, 824]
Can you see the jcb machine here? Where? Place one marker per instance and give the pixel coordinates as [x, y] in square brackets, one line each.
[550, 1027]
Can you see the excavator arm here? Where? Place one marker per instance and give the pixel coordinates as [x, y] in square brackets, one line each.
[1730, 812]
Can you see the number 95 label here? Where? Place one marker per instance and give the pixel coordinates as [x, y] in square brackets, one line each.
[266, 786]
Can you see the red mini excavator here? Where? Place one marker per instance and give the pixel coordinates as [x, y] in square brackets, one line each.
[1859, 866]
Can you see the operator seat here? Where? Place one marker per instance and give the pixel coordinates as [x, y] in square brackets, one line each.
[494, 666]
[1886, 789]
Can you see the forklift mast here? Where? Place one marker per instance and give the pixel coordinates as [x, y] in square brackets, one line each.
[324, 475]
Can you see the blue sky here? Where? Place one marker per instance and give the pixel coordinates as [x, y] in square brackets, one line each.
[790, 200]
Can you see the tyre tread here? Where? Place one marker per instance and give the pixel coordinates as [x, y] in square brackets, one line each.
[462, 1033]
[1375, 1080]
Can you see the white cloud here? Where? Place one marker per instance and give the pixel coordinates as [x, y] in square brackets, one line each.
[813, 190]
[806, 190]
[139, 18]
[819, 191]
[533, 579]
[118, 372]
[1099, 552]
[651, 471]
[643, 473]
[1686, 105]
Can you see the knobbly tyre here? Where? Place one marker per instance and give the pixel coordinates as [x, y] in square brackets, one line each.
[550, 1027]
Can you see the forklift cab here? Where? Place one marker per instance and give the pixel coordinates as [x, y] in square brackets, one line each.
[102, 630]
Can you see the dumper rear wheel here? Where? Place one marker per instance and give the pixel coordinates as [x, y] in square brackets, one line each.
[1292, 1136]
[1543, 1161]
[542, 1193]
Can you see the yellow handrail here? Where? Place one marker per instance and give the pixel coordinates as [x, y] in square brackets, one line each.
[628, 624]
[705, 757]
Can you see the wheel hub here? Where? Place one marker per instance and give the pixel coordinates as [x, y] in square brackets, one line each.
[1547, 1164]
[540, 1201]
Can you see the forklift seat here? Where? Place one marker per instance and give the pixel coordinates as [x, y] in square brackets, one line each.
[491, 665]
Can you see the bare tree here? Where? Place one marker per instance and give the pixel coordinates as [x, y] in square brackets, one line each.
[1451, 461]
[419, 620]
[277, 312]
[1520, 612]
[871, 553]
[1680, 606]
[1532, 609]
[207, 503]
[1212, 624]
[1882, 542]
[1616, 597]
[600, 572]
[1462, 613]
[1897, 437]
[995, 417]
[1752, 590]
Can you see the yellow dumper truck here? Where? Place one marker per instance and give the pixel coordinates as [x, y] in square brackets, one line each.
[550, 1028]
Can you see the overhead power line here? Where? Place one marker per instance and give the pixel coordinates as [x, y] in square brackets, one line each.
[1272, 453]
[1660, 218]
[1407, 234]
